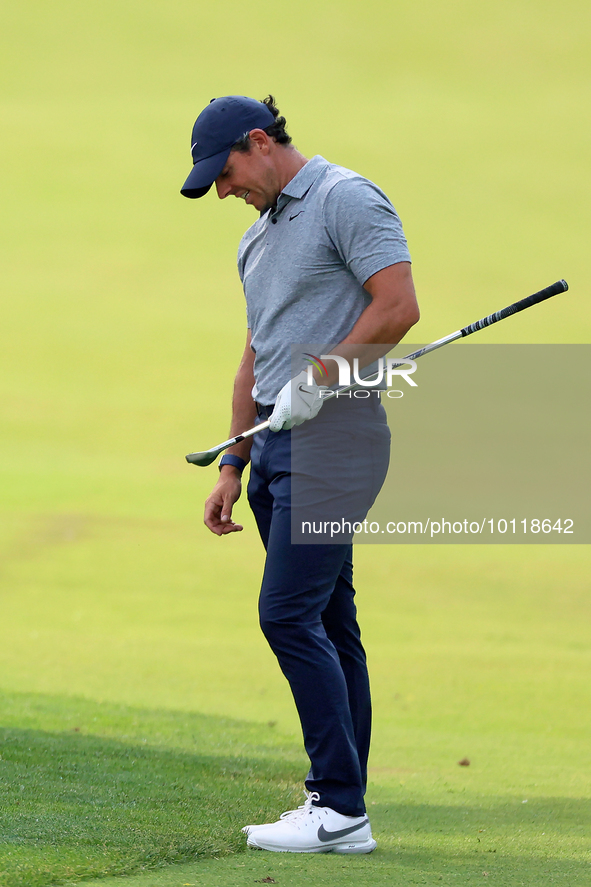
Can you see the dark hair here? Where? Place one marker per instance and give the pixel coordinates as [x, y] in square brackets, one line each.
[275, 130]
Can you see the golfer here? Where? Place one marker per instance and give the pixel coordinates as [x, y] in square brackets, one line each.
[325, 262]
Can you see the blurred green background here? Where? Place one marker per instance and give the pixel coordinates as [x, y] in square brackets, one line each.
[123, 321]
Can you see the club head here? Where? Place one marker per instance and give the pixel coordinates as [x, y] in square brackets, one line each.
[203, 459]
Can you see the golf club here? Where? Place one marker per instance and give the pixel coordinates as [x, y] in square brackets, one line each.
[208, 456]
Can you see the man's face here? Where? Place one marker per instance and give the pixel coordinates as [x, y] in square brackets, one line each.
[250, 176]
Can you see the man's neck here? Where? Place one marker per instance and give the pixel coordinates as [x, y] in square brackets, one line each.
[289, 163]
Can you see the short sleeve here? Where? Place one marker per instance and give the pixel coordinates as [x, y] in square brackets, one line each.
[364, 227]
[240, 266]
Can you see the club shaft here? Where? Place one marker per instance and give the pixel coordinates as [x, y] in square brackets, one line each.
[256, 429]
[239, 437]
[560, 286]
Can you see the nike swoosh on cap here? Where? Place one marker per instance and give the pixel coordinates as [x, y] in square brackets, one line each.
[323, 835]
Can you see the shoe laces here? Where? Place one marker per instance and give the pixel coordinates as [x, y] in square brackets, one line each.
[303, 810]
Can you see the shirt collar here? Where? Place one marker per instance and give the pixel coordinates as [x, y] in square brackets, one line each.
[305, 178]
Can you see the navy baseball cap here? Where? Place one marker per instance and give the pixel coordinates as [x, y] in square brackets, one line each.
[218, 127]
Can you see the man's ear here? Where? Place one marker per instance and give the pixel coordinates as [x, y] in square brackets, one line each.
[260, 140]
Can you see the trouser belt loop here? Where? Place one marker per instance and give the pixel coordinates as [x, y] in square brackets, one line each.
[265, 409]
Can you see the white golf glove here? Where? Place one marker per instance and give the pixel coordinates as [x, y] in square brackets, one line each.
[296, 403]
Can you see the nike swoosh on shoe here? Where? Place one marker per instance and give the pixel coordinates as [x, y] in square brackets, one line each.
[323, 835]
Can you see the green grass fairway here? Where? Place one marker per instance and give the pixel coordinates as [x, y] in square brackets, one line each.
[142, 717]
[476, 657]
[89, 790]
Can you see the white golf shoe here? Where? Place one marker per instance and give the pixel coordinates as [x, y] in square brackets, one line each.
[311, 829]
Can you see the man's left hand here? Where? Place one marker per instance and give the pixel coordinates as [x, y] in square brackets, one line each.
[296, 403]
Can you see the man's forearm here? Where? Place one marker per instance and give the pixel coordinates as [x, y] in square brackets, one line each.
[243, 406]
[226, 492]
[386, 320]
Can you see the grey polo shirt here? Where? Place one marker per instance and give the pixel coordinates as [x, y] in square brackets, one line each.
[303, 265]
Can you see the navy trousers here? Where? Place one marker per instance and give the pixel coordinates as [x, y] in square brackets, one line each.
[307, 609]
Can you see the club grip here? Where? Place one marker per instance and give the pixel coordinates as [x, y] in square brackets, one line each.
[560, 286]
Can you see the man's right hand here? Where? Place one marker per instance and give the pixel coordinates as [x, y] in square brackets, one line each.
[218, 507]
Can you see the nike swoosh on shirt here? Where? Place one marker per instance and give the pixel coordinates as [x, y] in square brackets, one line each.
[323, 835]
[291, 218]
